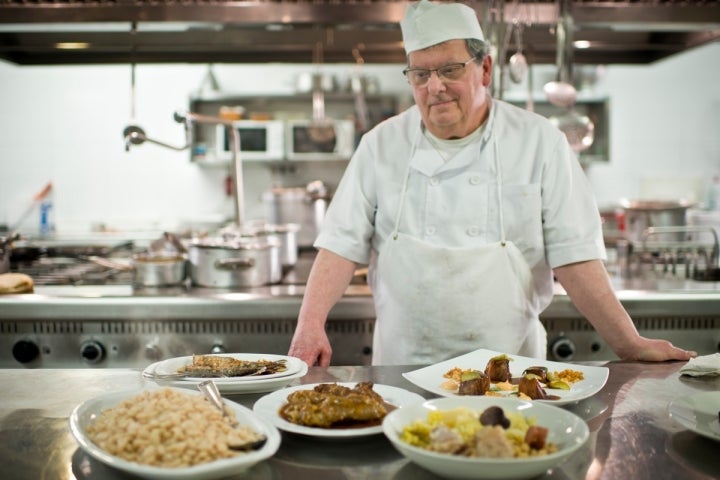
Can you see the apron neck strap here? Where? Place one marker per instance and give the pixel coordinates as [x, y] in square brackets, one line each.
[406, 177]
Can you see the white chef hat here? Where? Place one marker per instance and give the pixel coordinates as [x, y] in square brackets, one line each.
[428, 23]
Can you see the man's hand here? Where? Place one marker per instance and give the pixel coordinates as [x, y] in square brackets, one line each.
[655, 350]
[311, 345]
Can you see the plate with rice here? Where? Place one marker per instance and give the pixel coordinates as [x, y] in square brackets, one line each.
[170, 433]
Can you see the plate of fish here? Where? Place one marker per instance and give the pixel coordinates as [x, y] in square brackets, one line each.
[491, 373]
[333, 410]
[231, 372]
[699, 412]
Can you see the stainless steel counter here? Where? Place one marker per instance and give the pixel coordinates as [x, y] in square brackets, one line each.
[119, 326]
[632, 436]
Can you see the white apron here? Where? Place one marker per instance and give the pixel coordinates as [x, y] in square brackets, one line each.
[434, 303]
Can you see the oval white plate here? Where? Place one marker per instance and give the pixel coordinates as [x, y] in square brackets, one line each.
[235, 385]
[698, 413]
[172, 365]
[566, 430]
[269, 405]
[430, 378]
[85, 413]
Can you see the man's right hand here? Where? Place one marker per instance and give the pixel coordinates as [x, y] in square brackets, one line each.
[311, 346]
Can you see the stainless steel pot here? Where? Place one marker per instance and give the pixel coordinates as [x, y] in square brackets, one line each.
[286, 235]
[239, 262]
[642, 214]
[304, 206]
[158, 270]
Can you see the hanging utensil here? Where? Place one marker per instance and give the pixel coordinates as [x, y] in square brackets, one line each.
[518, 63]
[322, 129]
[357, 85]
[561, 92]
[578, 128]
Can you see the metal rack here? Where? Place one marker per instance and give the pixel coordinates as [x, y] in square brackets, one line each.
[675, 251]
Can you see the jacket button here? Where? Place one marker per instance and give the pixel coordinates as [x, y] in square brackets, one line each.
[474, 180]
[473, 231]
[434, 181]
[430, 230]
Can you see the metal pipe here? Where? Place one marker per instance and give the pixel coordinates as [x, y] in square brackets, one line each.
[135, 135]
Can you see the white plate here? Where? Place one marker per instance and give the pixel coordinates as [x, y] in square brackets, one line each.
[85, 413]
[236, 384]
[269, 405]
[431, 378]
[698, 413]
[172, 365]
[566, 430]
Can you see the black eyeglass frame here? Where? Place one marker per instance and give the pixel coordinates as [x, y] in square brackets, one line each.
[437, 71]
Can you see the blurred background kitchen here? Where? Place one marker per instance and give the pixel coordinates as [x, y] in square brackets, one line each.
[62, 121]
[105, 140]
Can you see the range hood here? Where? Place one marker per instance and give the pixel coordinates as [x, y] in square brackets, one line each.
[44, 32]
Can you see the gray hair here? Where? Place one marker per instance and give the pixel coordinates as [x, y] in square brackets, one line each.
[477, 48]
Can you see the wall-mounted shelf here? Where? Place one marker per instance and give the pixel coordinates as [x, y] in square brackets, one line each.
[338, 105]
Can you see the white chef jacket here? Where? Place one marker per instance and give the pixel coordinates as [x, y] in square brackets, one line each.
[549, 210]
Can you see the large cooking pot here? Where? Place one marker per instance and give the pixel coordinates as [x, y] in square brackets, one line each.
[158, 270]
[285, 235]
[236, 262]
[643, 214]
[304, 206]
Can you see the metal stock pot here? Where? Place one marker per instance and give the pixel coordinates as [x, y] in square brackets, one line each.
[643, 214]
[305, 206]
[157, 270]
[236, 262]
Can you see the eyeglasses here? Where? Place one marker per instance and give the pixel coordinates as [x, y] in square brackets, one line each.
[418, 77]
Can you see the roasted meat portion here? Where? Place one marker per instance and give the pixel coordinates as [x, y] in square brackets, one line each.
[498, 369]
[332, 405]
[530, 385]
[474, 382]
[540, 371]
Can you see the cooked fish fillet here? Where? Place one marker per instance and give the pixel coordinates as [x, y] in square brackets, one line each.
[217, 366]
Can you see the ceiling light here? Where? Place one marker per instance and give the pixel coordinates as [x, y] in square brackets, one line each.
[581, 44]
[72, 45]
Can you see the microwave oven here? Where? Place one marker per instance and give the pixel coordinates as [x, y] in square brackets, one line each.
[259, 140]
[325, 140]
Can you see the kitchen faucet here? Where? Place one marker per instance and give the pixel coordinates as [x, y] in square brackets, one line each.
[135, 135]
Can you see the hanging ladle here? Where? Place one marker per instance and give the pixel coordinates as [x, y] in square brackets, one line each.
[561, 92]
[518, 62]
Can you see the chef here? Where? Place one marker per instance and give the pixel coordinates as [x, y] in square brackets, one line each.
[463, 207]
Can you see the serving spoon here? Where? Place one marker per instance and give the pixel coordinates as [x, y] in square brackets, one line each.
[211, 392]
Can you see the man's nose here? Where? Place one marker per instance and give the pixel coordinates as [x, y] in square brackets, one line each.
[435, 83]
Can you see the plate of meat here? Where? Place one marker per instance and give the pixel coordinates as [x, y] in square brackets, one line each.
[333, 410]
[486, 372]
[231, 372]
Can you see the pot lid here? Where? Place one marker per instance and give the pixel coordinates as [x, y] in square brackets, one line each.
[655, 205]
[236, 243]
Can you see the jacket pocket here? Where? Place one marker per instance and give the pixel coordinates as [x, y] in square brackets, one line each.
[522, 215]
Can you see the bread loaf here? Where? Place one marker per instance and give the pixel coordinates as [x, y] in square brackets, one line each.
[16, 283]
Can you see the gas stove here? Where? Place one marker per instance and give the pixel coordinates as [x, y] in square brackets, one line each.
[71, 264]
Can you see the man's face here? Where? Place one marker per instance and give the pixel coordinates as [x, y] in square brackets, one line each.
[452, 108]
